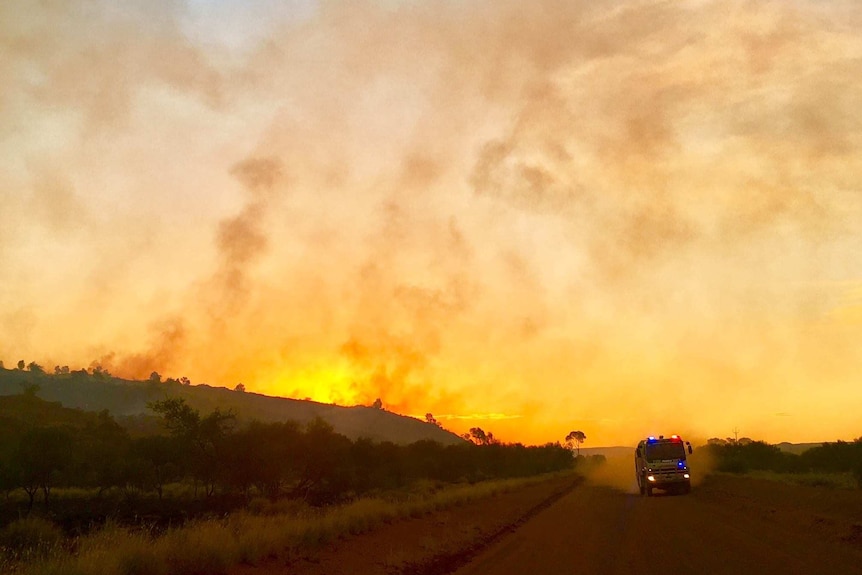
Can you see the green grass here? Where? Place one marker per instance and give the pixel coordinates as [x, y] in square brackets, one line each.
[213, 546]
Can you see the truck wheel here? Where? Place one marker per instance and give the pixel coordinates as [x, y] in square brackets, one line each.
[641, 487]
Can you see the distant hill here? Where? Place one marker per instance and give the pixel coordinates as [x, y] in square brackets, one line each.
[796, 448]
[127, 401]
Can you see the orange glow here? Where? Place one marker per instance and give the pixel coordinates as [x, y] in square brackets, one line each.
[324, 383]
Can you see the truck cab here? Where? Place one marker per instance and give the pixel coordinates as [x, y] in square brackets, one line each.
[660, 463]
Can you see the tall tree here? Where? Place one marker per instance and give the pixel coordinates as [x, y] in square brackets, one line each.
[575, 439]
[43, 453]
[203, 438]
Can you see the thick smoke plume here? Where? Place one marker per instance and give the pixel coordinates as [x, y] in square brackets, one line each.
[620, 216]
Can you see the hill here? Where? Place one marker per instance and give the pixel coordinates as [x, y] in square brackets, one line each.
[796, 448]
[127, 401]
[23, 409]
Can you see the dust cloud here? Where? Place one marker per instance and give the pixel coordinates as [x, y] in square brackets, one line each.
[594, 215]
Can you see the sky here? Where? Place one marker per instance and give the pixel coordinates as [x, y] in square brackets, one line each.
[625, 218]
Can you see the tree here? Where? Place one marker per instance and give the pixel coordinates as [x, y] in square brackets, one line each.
[240, 388]
[103, 446]
[179, 418]
[202, 437]
[154, 462]
[575, 439]
[323, 462]
[10, 441]
[155, 377]
[21, 365]
[99, 371]
[429, 418]
[478, 436]
[43, 453]
[378, 404]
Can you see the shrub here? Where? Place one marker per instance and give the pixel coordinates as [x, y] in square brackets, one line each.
[32, 537]
[202, 548]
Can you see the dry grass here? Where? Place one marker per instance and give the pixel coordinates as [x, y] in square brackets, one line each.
[811, 479]
[213, 546]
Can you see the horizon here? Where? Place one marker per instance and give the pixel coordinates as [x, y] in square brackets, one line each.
[610, 217]
[696, 441]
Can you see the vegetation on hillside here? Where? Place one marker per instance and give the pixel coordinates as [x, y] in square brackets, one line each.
[95, 389]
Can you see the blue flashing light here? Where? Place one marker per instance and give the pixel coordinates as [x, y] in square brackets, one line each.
[651, 438]
[680, 464]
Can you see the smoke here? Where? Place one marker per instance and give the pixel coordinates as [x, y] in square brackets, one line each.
[242, 239]
[166, 346]
[457, 207]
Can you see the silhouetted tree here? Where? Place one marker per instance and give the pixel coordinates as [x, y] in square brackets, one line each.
[378, 404]
[179, 418]
[42, 454]
[185, 381]
[575, 439]
[9, 471]
[154, 461]
[103, 447]
[155, 377]
[597, 459]
[201, 437]
[324, 461]
[98, 371]
[35, 368]
[239, 387]
[478, 436]
[21, 365]
[429, 418]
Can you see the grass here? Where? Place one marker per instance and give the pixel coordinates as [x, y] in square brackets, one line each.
[213, 546]
[810, 479]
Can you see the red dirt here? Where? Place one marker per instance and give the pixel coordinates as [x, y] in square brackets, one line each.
[726, 525]
[433, 544]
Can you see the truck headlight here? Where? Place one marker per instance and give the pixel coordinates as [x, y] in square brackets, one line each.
[686, 475]
[650, 478]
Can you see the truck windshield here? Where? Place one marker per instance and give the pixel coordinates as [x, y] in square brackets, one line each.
[659, 451]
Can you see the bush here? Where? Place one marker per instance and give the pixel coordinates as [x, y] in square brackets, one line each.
[30, 537]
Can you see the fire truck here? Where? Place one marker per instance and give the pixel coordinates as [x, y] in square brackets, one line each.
[660, 463]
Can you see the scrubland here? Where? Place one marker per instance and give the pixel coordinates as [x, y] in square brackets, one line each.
[264, 531]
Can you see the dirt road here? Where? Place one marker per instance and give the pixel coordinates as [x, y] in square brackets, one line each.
[719, 528]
